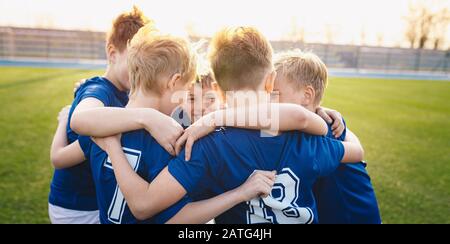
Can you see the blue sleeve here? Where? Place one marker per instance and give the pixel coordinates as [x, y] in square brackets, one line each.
[329, 153]
[96, 91]
[85, 144]
[189, 174]
[342, 137]
[167, 214]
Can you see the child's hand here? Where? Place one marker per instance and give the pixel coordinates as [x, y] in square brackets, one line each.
[258, 184]
[165, 130]
[106, 143]
[78, 84]
[199, 129]
[332, 116]
[63, 115]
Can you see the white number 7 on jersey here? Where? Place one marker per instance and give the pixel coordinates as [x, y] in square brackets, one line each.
[118, 202]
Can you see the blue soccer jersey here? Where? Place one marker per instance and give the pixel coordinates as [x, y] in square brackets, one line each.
[347, 196]
[225, 159]
[73, 188]
[146, 157]
[182, 117]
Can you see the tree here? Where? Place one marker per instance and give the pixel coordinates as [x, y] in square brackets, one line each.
[296, 33]
[411, 30]
[419, 21]
[440, 27]
[426, 21]
[424, 25]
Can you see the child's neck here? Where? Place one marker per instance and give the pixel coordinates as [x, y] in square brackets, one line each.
[140, 100]
[241, 98]
[112, 77]
[311, 107]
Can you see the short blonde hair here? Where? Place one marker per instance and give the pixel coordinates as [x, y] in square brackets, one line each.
[303, 69]
[152, 55]
[239, 57]
[125, 26]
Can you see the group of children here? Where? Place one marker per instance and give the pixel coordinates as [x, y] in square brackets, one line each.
[133, 148]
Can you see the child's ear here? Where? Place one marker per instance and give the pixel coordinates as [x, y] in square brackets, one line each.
[310, 95]
[111, 52]
[270, 81]
[173, 81]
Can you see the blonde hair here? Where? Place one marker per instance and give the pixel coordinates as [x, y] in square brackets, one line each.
[125, 26]
[303, 69]
[239, 57]
[152, 55]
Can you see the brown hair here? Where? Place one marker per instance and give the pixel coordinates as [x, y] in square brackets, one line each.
[303, 69]
[125, 26]
[239, 57]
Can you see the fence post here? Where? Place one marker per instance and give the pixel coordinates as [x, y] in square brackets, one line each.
[47, 41]
[12, 43]
[447, 57]
[418, 54]
[357, 63]
[388, 59]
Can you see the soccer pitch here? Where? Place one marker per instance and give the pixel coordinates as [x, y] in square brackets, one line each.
[404, 126]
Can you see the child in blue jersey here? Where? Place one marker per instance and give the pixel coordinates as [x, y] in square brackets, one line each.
[241, 59]
[346, 196]
[72, 194]
[160, 66]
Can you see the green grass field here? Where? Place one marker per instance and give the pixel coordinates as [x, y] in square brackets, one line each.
[404, 126]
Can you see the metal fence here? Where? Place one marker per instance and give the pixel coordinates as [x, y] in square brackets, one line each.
[375, 58]
[63, 44]
[51, 44]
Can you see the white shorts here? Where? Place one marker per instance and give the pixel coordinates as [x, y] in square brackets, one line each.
[59, 215]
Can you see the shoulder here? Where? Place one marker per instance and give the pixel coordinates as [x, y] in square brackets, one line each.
[238, 136]
[225, 133]
[95, 88]
[93, 84]
[321, 146]
[92, 81]
[142, 140]
[137, 137]
[222, 136]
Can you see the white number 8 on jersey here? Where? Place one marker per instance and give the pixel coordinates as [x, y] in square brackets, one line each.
[281, 206]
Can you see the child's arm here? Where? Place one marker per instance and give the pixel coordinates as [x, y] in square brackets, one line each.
[108, 121]
[140, 195]
[276, 117]
[260, 183]
[354, 152]
[61, 154]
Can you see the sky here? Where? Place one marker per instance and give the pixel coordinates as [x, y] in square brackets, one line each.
[369, 22]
